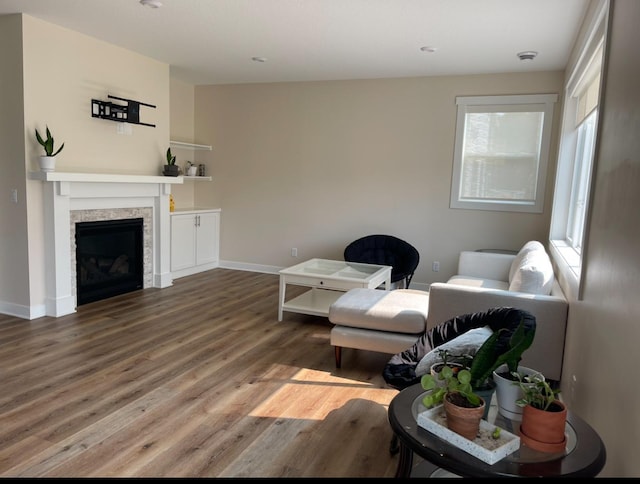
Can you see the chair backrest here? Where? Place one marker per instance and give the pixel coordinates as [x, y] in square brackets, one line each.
[385, 250]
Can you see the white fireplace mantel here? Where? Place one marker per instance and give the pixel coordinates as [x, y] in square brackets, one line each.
[65, 191]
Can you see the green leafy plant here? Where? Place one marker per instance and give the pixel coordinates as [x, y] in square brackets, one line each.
[487, 358]
[171, 159]
[454, 382]
[48, 143]
[537, 391]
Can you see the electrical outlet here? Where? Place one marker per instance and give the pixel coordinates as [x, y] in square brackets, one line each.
[294, 252]
[435, 267]
[14, 196]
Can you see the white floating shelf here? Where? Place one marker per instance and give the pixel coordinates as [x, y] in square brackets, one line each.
[197, 178]
[190, 146]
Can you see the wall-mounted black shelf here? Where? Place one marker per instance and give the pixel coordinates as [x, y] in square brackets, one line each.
[123, 113]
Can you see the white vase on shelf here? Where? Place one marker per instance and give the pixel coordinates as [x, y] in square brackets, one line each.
[47, 163]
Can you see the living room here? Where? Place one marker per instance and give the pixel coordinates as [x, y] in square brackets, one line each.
[313, 165]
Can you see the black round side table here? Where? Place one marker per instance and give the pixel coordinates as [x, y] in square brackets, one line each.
[585, 454]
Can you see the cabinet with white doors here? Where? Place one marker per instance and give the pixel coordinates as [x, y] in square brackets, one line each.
[195, 241]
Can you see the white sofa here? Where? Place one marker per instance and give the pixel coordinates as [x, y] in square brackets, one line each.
[524, 281]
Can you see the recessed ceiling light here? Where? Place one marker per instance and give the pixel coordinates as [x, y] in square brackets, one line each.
[527, 55]
[259, 59]
[428, 48]
[151, 3]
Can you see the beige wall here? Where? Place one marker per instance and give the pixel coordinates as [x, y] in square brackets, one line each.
[63, 70]
[315, 165]
[599, 383]
[182, 129]
[14, 276]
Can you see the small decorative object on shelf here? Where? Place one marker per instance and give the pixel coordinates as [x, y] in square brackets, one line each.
[48, 161]
[201, 170]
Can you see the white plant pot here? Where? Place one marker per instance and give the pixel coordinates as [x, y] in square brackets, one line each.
[47, 163]
[508, 391]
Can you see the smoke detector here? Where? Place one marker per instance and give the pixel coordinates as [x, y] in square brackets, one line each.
[527, 55]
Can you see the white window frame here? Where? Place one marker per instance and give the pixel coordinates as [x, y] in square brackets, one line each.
[543, 103]
[574, 181]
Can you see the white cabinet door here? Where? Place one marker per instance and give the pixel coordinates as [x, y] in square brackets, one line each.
[183, 241]
[194, 242]
[207, 237]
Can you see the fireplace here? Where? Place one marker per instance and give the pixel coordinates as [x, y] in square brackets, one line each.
[71, 198]
[109, 258]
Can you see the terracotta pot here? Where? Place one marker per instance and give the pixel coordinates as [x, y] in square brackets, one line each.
[464, 420]
[544, 430]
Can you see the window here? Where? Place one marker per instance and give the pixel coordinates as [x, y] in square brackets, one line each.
[501, 152]
[576, 159]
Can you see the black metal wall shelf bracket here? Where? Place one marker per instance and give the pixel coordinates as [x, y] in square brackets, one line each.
[127, 113]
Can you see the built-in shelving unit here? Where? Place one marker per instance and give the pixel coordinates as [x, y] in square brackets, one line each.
[190, 146]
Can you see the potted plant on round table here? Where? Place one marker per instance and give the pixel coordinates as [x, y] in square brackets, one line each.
[463, 408]
[492, 355]
[48, 161]
[544, 416]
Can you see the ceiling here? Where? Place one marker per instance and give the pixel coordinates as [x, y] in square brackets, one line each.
[214, 41]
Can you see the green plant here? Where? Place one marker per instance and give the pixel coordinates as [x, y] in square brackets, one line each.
[171, 159]
[48, 143]
[488, 358]
[454, 382]
[536, 391]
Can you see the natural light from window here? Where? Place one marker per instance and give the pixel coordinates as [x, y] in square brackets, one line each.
[570, 215]
[501, 152]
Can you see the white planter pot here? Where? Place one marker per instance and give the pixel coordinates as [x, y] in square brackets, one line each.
[508, 391]
[47, 163]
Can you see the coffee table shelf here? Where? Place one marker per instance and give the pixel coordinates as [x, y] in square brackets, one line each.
[327, 280]
[315, 302]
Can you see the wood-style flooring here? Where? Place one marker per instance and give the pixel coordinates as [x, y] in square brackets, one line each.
[195, 380]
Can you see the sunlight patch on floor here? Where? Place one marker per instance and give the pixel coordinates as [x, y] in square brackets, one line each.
[312, 394]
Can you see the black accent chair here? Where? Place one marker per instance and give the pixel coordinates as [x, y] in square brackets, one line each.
[385, 250]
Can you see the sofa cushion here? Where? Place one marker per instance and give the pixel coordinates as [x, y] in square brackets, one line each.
[398, 311]
[478, 282]
[465, 344]
[534, 274]
[526, 248]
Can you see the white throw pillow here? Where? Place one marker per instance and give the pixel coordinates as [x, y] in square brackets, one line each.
[465, 344]
[534, 275]
[526, 248]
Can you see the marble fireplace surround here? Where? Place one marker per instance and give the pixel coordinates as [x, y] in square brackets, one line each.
[101, 197]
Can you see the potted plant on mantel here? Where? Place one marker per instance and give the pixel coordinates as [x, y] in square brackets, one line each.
[48, 161]
[544, 417]
[171, 169]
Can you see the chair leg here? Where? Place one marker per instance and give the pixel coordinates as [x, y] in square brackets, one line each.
[338, 352]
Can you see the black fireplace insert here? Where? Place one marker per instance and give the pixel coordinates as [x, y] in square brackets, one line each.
[109, 258]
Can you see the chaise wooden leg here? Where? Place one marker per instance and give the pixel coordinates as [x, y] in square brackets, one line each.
[338, 350]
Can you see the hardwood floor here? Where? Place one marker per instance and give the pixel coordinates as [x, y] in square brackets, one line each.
[195, 380]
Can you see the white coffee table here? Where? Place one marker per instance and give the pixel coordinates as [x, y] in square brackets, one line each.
[327, 280]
